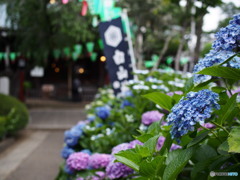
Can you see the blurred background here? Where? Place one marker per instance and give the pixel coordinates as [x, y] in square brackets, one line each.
[48, 48]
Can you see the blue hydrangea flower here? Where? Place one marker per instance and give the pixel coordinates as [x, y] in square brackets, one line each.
[99, 125]
[72, 136]
[91, 117]
[228, 38]
[126, 103]
[212, 58]
[66, 152]
[192, 109]
[68, 170]
[128, 93]
[103, 112]
[87, 151]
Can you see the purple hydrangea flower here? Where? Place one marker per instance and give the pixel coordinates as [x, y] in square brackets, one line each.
[233, 92]
[208, 125]
[212, 58]
[192, 109]
[78, 161]
[161, 141]
[174, 147]
[117, 170]
[100, 176]
[97, 161]
[228, 38]
[66, 152]
[133, 144]
[103, 112]
[150, 117]
[175, 92]
[80, 178]
[120, 147]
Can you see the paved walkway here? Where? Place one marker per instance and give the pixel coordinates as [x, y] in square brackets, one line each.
[35, 155]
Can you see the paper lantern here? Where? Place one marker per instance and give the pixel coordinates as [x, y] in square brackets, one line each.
[90, 46]
[169, 60]
[66, 51]
[84, 8]
[64, 1]
[56, 53]
[93, 56]
[1, 56]
[12, 56]
[149, 64]
[78, 48]
[100, 43]
[75, 56]
[155, 57]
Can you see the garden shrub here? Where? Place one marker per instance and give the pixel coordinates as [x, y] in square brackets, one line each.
[14, 115]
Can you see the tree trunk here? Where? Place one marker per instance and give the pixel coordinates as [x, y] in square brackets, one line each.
[162, 53]
[179, 51]
[197, 48]
[139, 48]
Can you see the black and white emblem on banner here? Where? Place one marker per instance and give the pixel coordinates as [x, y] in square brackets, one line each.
[116, 51]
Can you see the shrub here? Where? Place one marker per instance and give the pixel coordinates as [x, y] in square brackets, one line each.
[14, 115]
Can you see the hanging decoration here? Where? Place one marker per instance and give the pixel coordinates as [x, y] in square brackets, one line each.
[149, 64]
[66, 51]
[84, 8]
[94, 21]
[5, 56]
[78, 48]
[90, 47]
[56, 53]
[100, 43]
[116, 52]
[75, 56]
[1, 55]
[155, 58]
[184, 60]
[64, 1]
[169, 60]
[12, 56]
[93, 56]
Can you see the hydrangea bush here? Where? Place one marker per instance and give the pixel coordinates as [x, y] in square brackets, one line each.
[201, 137]
[110, 126]
[183, 128]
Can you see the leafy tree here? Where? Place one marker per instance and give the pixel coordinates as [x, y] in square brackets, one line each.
[40, 27]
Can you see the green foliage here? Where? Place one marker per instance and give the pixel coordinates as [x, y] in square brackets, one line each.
[234, 140]
[41, 27]
[177, 164]
[224, 72]
[14, 114]
[161, 99]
